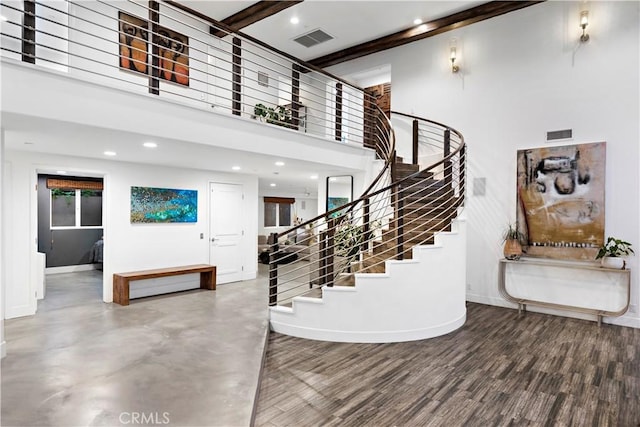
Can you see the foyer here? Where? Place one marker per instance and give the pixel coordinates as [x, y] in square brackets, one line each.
[196, 356]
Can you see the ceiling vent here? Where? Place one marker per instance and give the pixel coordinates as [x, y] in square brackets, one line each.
[313, 38]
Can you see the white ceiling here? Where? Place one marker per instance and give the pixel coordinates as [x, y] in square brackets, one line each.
[350, 22]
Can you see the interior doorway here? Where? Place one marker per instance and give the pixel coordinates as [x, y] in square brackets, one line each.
[70, 235]
[226, 233]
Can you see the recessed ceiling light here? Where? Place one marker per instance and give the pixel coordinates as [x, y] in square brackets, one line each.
[61, 172]
[235, 168]
[314, 177]
[417, 21]
[273, 184]
[294, 20]
[279, 163]
[109, 153]
[150, 144]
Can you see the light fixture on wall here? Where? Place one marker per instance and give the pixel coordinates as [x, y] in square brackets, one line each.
[584, 22]
[453, 55]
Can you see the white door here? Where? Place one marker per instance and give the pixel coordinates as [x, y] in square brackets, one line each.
[225, 225]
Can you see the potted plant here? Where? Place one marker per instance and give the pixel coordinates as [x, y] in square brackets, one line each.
[512, 247]
[260, 111]
[612, 253]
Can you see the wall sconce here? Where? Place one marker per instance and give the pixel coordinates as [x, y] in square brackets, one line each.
[452, 56]
[584, 21]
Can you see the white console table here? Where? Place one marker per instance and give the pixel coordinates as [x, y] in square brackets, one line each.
[573, 286]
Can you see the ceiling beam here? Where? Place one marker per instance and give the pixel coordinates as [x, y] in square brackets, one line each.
[419, 32]
[254, 13]
[303, 66]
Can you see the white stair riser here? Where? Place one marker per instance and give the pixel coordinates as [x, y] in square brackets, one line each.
[415, 299]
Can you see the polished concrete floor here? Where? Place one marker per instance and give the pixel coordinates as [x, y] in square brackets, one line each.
[185, 359]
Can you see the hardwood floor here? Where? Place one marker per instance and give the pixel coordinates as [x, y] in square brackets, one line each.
[497, 370]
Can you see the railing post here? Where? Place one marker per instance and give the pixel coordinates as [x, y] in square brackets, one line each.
[237, 77]
[400, 228]
[322, 258]
[414, 158]
[295, 96]
[331, 229]
[366, 228]
[338, 136]
[154, 19]
[447, 151]
[463, 159]
[273, 270]
[29, 32]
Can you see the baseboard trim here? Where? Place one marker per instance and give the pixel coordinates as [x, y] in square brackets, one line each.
[369, 336]
[69, 269]
[628, 321]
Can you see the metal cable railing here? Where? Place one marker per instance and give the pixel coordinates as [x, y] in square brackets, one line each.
[401, 209]
[171, 54]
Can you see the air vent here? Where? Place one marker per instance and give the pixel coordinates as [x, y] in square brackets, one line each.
[263, 79]
[313, 38]
[555, 135]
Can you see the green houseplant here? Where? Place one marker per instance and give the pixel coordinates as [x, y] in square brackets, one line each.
[260, 111]
[512, 239]
[612, 253]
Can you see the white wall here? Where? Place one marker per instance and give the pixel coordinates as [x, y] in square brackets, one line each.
[127, 246]
[3, 227]
[522, 74]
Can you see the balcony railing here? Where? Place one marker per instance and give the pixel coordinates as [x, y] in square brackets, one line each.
[158, 49]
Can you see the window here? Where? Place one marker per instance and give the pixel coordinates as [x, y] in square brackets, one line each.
[75, 207]
[277, 211]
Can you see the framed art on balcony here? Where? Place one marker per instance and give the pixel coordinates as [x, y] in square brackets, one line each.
[169, 47]
[134, 35]
[174, 56]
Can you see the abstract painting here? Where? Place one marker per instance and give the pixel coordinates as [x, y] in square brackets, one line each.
[134, 35]
[150, 205]
[336, 202]
[174, 56]
[561, 200]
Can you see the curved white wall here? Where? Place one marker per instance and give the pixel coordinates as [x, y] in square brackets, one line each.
[415, 299]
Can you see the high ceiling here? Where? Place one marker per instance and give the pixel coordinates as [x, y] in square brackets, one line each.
[349, 22]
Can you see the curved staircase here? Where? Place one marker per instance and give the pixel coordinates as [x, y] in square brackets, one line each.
[390, 266]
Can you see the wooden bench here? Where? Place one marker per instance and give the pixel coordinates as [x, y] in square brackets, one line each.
[121, 280]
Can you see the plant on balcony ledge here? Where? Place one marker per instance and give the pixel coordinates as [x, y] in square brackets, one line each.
[279, 115]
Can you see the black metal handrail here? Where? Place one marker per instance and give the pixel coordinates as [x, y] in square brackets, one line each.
[384, 223]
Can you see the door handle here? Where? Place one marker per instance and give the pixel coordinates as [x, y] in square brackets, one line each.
[213, 239]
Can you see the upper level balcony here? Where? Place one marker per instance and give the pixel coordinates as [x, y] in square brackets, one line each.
[160, 72]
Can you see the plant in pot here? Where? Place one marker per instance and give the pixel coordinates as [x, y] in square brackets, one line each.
[260, 111]
[512, 246]
[613, 252]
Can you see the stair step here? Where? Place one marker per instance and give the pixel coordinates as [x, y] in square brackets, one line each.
[345, 279]
[387, 250]
[402, 173]
[405, 168]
